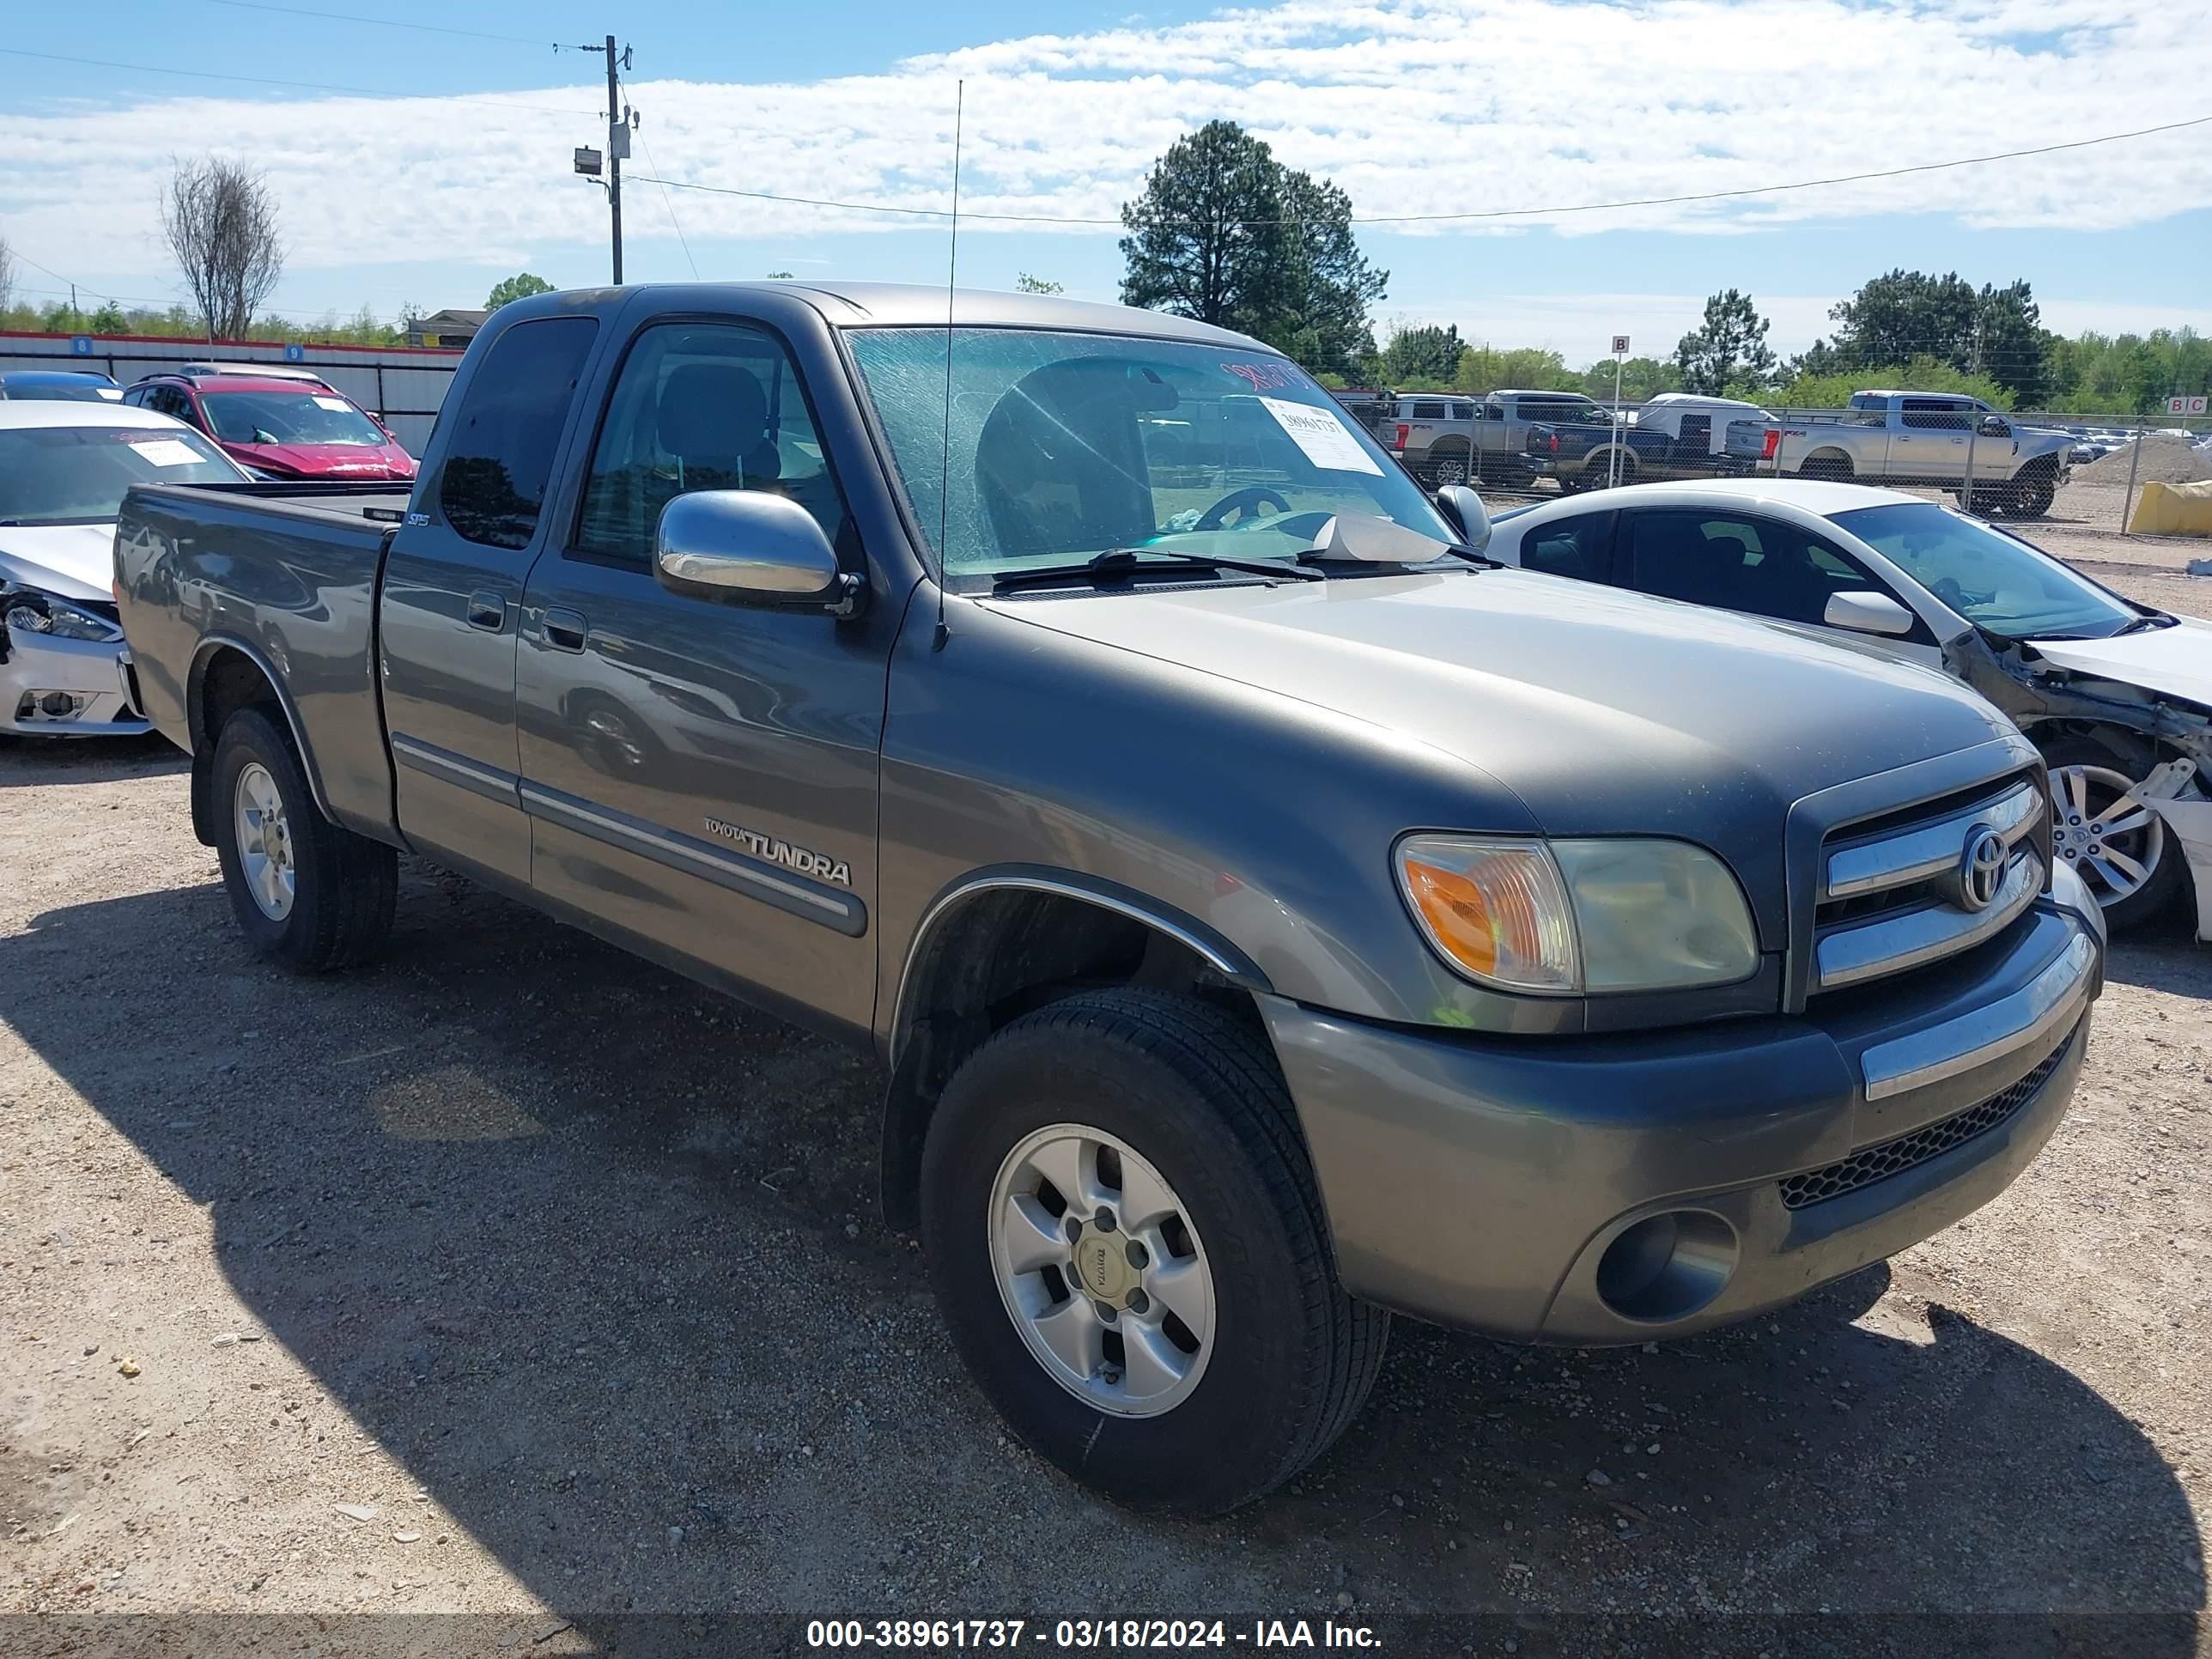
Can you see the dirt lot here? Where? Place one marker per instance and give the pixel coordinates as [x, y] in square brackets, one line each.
[518, 1278]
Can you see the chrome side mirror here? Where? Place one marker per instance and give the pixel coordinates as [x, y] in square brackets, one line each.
[1862, 610]
[1462, 507]
[1993, 426]
[749, 547]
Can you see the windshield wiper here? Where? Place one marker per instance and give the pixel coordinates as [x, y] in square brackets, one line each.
[1120, 563]
[2156, 619]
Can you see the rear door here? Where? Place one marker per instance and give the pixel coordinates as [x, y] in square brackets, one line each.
[452, 594]
[1928, 441]
[701, 776]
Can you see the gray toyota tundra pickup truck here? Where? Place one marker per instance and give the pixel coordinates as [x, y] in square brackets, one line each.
[1268, 912]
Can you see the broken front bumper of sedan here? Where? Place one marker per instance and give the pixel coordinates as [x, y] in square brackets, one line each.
[56, 687]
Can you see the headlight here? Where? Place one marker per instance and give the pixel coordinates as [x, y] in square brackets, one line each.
[29, 611]
[1563, 916]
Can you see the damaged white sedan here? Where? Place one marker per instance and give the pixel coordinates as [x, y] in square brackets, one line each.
[2118, 695]
[64, 667]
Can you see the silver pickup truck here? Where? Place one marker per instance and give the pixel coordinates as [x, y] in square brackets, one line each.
[1917, 438]
[1450, 439]
[1268, 912]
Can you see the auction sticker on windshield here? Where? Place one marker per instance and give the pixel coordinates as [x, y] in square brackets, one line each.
[336, 405]
[1322, 435]
[167, 452]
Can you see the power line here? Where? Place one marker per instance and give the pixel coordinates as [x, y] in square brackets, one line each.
[300, 86]
[1482, 214]
[667, 200]
[381, 22]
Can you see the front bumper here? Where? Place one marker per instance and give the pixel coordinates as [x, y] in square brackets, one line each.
[58, 688]
[1617, 1189]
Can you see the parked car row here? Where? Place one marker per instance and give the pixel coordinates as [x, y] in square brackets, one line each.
[1270, 907]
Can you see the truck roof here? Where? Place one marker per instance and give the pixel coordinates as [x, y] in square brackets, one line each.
[912, 305]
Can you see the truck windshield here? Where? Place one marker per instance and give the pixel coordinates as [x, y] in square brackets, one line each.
[1994, 581]
[289, 417]
[1064, 445]
[77, 474]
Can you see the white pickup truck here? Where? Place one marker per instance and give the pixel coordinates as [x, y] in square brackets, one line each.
[1917, 438]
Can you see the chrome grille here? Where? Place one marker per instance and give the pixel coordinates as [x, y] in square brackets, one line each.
[1892, 896]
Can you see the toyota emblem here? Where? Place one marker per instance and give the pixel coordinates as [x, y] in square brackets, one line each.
[1981, 868]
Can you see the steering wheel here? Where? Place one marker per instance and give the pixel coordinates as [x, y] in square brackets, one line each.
[1946, 589]
[1244, 502]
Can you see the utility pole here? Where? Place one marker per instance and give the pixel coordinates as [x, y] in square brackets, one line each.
[617, 143]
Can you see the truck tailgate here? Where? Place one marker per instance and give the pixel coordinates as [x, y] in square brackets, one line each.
[286, 577]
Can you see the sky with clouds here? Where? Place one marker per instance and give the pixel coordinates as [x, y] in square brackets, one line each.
[1417, 108]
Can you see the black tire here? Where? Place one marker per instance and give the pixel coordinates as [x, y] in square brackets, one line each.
[2031, 494]
[1836, 469]
[2132, 759]
[1198, 1094]
[345, 886]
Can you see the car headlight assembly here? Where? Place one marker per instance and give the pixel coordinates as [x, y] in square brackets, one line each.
[1564, 918]
[29, 611]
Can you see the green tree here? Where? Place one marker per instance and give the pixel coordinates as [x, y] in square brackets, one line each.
[1428, 354]
[520, 286]
[1921, 373]
[1225, 234]
[1907, 315]
[1026, 283]
[1641, 378]
[1526, 368]
[1729, 351]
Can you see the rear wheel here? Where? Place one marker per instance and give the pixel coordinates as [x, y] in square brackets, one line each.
[2117, 844]
[308, 894]
[1129, 1252]
[1448, 469]
[1828, 464]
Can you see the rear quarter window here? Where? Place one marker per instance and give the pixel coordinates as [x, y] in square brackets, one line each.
[491, 486]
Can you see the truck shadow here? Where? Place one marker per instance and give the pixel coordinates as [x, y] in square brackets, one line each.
[592, 1254]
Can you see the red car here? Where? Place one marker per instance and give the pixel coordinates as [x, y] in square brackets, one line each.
[286, 426]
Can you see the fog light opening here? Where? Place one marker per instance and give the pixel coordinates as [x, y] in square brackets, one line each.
[1668, 1267]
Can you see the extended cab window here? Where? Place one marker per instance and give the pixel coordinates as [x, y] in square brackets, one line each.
[700, 406]
[507, 429]
[1428, 412]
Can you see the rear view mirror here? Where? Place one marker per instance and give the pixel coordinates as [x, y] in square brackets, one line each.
[748, 547]
[1463, 509]
[1993, 426]
[1865, 611]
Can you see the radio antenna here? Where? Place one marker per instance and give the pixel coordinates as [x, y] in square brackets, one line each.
[944, 454]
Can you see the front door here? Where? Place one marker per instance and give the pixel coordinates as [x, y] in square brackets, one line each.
[452, 591]
[1762, 566]
[700, 775]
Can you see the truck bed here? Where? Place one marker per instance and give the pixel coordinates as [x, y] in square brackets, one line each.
[286, 573]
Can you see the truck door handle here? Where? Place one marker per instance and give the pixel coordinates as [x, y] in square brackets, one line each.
[564, 631]
[487, 611]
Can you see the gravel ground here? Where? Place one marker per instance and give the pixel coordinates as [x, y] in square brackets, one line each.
[515, 1277]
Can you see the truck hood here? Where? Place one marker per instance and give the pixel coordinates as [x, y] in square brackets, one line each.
[1606, 713]
[74, 561]
[327, 460]
[2168, 662]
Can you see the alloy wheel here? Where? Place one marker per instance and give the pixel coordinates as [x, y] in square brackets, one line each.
[264, 841]
[2100, 827]
[1102, 1271]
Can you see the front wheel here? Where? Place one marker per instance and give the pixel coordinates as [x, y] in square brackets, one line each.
[2117, 844]
[308, 895]
[1128, 1250]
